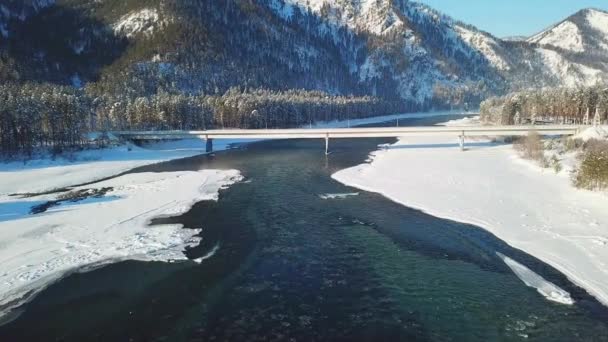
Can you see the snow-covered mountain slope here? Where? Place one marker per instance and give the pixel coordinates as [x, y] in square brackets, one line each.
[486, 44]
[441, 52]
[582, 32]
[395, 49]
[412, 45]
[570, 74]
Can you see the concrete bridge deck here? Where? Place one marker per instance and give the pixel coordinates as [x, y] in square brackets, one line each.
[337, 133]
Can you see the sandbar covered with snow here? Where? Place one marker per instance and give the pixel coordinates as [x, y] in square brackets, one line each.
[490, 186]
[39, 249]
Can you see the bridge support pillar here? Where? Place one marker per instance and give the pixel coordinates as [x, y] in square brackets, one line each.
[462, 142]
[327, 144]
[209, 145]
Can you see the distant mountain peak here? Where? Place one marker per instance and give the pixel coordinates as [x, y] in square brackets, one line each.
[592, 10]
[584, 31]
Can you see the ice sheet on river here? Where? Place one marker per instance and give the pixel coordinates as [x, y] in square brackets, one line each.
[338, 196]
[546, 288]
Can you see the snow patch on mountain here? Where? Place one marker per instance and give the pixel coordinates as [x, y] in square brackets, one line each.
[566, 35]
[599, 21]
[571, 74]
[144, 20]
[485, 44]
[373, 16]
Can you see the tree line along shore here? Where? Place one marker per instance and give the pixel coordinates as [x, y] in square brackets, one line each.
[59, 117]
[584, 105]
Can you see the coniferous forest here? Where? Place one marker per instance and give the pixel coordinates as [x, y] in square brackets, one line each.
[60, 117]
[584, 105]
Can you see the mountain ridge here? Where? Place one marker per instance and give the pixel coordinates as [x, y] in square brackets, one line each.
[394, 49]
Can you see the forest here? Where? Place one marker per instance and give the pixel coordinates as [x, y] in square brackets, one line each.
[583, 105]
[60, 117]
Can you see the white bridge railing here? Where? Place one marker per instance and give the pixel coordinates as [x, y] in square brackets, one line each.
[337, 133]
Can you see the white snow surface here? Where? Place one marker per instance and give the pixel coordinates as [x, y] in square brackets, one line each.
[45, 174]
[39, 249]
[490, 186]
[467, 121]
[599, 133]
[599, 21]
[89, 165]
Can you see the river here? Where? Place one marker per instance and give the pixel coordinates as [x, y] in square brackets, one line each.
[286, 259]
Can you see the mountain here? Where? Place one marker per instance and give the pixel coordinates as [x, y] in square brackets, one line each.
[583, 32]
[393, 49]
[576, 49]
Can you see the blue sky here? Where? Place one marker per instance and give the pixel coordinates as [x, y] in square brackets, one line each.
[512, 17]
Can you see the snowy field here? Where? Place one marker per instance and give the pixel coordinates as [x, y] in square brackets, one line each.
[490, 186]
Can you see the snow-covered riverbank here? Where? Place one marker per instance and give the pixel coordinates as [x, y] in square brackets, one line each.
[39, 249]
[490, 186]
[43, 173]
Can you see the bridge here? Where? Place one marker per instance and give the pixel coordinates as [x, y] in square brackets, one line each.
[341, 133]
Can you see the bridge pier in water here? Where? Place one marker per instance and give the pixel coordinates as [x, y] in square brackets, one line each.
[327, 144]
[209, 145]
